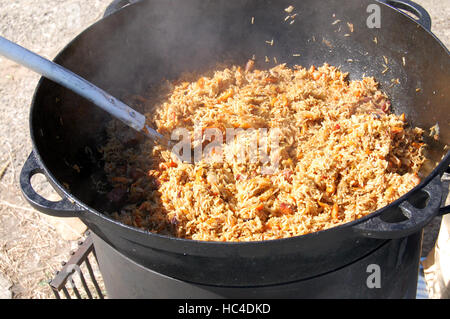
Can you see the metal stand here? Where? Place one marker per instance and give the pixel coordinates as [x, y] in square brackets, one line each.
[72, 269]
[77, 279]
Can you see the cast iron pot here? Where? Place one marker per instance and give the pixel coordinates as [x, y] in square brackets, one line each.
[143, 43]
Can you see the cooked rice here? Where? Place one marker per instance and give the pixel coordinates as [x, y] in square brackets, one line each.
[343, 155]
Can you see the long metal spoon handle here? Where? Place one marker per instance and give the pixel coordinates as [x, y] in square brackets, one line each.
[78, 85]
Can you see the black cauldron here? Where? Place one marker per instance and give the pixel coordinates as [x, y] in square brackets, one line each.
[137, 46]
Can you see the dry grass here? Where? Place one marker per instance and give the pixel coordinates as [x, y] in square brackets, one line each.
[30, 248]
[31, 251]
[27, 250]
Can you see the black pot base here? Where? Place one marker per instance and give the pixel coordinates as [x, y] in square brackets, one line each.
[390, 271]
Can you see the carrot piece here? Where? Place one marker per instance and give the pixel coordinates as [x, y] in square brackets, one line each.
[172, 164]
[316, 75]
[259, 207]
[357, 93]
[273, 101]
[201, 82]
[285, 101]
[390, 191]
[323, 205]
[396, 129]
[199, 175]
[225, 96]
[286, 209]
[335, 211]
[416, 179]
[331, 189]
[271, 79]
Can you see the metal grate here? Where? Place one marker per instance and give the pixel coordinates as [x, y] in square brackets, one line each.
[72, 281]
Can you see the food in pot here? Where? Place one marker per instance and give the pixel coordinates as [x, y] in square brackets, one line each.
[340, 155]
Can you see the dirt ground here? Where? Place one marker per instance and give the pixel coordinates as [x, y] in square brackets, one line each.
[31, 248]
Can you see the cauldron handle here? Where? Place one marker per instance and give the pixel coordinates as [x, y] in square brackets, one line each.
[117, 5]
[416, 218]
[423, 17]
[62, 208]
